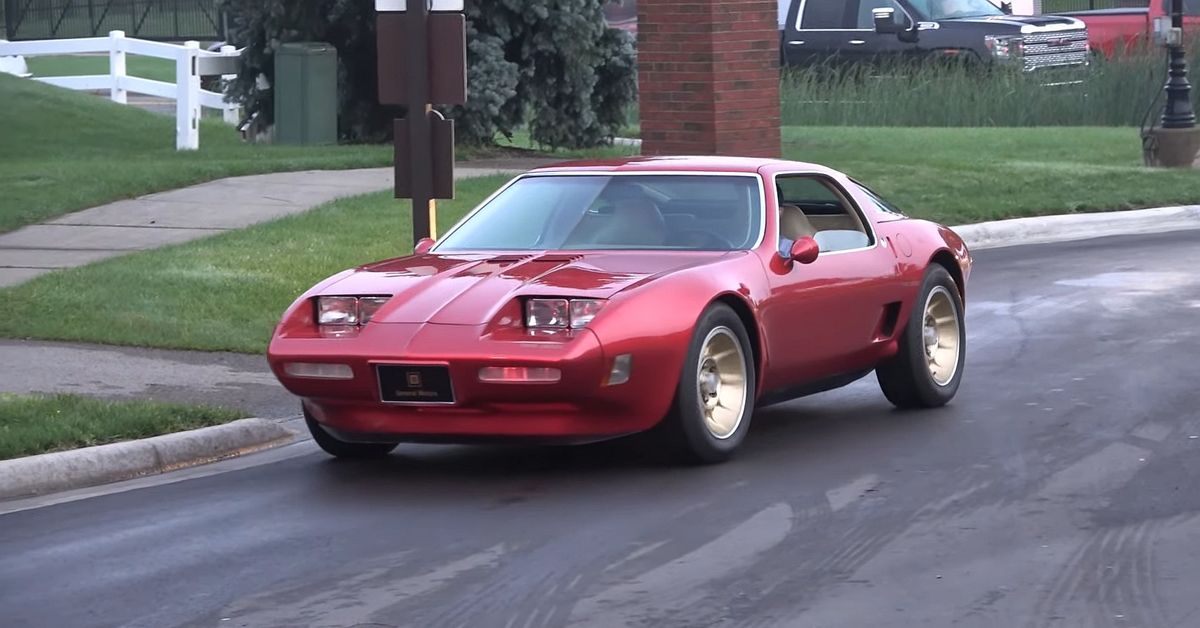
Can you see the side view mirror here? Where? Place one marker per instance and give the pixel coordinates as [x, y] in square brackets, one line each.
[805, 250]
[885, 21]
[423, 246]
[885, 24]
[1006, 7]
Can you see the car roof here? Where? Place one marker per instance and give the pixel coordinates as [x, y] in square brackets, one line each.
[683, 163]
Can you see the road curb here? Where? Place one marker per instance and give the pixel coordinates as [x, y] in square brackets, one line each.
[92, 466]
[1073, 227]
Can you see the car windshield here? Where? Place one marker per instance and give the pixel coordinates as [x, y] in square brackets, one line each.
[949, 9]
[603, 212]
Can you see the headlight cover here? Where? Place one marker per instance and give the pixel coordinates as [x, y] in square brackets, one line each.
[348, 311]
[337, 311]
[1005, 47]
[561, 313]
[368, 306]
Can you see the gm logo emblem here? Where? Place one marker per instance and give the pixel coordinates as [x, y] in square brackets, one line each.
[414, 380]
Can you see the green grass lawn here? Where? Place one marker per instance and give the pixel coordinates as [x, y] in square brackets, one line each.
[62, 151]
[227, 292]
[39, 424]
[964, 175]
[91, 65]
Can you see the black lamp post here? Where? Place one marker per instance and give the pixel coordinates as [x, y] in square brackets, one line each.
[1179, 113]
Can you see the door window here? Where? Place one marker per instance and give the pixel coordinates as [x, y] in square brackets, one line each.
[825, 15]
[816, 207]
[882, 204]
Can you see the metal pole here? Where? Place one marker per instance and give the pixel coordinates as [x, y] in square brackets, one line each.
[1179, 113]
[419, 112]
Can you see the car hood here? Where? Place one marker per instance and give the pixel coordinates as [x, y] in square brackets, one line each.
[471, 289]
[1019, 22]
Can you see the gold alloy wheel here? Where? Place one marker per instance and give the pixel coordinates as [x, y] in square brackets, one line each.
[721, 380]
[941, 336]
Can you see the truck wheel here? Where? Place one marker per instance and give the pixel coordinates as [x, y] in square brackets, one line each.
[927, 370]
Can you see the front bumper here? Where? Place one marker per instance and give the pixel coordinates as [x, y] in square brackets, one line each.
[580, 406]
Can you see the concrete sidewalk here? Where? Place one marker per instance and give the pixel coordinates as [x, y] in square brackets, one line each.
[190, 213]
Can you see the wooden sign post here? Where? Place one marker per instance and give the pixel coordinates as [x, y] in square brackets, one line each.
[422, 48]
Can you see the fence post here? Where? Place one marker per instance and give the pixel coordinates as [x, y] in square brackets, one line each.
[116, 67]
[232, 112]
[187, 98]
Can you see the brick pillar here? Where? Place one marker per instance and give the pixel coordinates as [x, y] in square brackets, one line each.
[708, 76]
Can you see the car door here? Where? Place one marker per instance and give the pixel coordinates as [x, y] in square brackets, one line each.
[833, 316]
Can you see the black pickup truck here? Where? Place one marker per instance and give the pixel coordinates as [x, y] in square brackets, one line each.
[824, 31]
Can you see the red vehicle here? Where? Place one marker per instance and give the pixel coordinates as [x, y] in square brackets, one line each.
[592, 300]
[1112, 31]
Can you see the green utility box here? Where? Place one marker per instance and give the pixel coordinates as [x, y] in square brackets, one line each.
[306, 101]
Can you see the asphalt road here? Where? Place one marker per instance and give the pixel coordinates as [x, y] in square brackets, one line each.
[1059, 489]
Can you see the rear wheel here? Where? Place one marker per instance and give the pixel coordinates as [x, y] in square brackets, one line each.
[341, 448]
[927, 370]
[715, 397]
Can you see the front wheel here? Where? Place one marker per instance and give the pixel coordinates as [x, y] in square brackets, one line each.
[341, 448]
[927, 370]
[715, 398]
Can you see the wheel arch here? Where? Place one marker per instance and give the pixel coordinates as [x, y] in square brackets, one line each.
[946, 259]
[745, 312]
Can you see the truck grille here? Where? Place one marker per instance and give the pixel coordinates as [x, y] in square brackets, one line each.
[1056, 48]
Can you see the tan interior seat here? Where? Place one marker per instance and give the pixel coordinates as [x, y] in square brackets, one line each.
[633, 222]
[794, 224]
[841, 222]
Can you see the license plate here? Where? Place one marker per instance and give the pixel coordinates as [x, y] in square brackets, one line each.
[415, 384]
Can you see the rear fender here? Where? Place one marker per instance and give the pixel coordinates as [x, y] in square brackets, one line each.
[932, 244]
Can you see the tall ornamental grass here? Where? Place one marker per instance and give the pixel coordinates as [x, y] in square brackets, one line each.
[1116, 92]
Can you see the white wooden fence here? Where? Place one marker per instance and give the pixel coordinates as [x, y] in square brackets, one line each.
[191, 63]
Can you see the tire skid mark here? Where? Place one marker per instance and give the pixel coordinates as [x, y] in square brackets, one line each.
[981, 611]
[803, 578]
[1111, 577]
[520, 599]
[680, 583]
[550, 599]
[856, 546]
[356, 598]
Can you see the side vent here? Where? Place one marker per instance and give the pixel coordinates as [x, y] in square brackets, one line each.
[887, 324]
[508, 259]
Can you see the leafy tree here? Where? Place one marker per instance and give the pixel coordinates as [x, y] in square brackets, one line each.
[551, 64]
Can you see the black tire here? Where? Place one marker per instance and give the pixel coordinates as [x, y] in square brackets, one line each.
[906, 378]
[685, 430]
[343, 449]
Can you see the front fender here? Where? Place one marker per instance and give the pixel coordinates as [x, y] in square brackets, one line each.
[654, 322]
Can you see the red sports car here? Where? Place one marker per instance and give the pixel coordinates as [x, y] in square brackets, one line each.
[592, 300]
